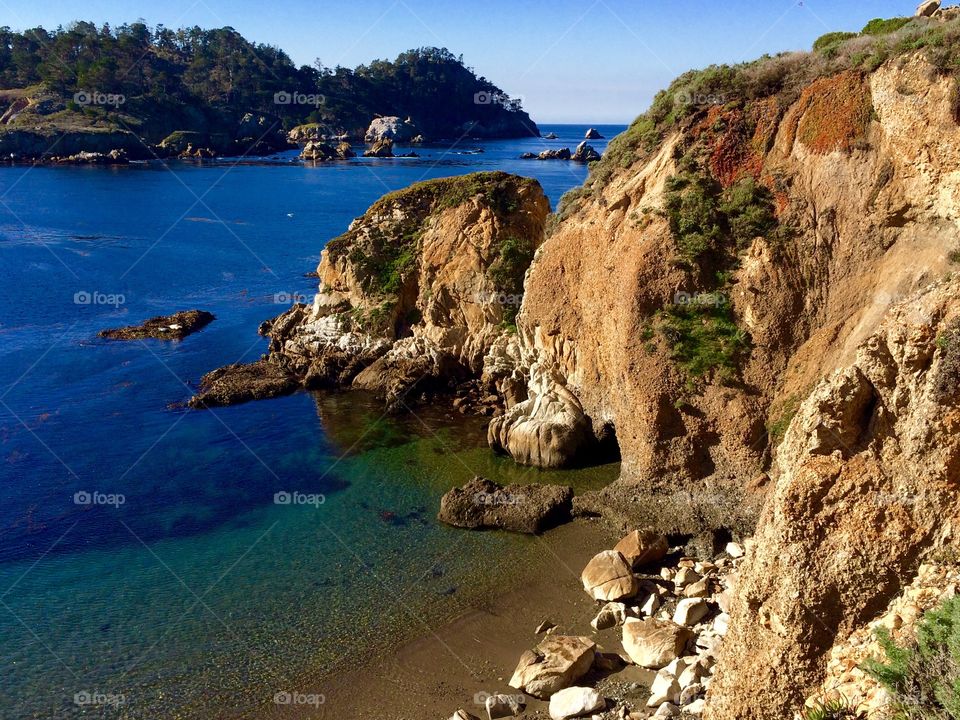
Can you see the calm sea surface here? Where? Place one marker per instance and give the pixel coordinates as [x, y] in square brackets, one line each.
[145, 569]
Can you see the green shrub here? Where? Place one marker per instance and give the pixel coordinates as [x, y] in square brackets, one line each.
[880, 26]
[831, 40]
[835, 709]
[507, 271]
[704, 340]
[776, 429]
[707, 220]
[924, 676]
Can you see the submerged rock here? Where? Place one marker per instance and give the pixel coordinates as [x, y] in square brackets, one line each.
[482, 503]
[165, 327]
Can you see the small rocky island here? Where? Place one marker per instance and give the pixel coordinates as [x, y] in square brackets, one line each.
[164, 327]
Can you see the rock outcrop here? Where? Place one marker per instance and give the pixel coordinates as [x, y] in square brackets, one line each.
[418, 292]
[382, 148]
[164, 327]
[391, 128]
[482, 503]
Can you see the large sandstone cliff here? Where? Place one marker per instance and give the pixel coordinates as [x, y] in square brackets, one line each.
[861, 221]
[851, 315]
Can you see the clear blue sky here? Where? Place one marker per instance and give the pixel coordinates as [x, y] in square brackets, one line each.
[592, 61]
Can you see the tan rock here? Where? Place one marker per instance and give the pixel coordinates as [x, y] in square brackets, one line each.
[574, 702]
[556, 663]
[690, 611]
[642, 547]
[608, 577]
[654, 643]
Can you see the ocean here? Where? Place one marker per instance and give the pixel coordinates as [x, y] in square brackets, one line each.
[149, 564]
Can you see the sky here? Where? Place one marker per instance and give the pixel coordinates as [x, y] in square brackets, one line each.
[571, 61]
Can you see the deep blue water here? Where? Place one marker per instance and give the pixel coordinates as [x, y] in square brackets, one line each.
[183, 587]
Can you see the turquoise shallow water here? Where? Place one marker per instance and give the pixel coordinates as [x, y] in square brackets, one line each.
[198, 596]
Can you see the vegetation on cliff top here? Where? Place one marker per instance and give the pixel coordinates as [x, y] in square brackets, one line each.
[692, 95]
[204, 80]
[924, 676]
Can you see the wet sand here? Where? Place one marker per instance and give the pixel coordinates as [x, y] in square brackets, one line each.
[454, 665]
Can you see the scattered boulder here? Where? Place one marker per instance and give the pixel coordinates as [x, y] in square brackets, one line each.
[593, 134]
[608, 577]
[653, 643]
[585, 153]
[611, 615]
[382, 148]
[165, 327]
[240, 382]
[574, 702]
[345, 151]
[317, 151]
[558, 154]
[556, 663]
[501, 706]
[482, 503]
[735, 550]
[667, 710]
[665, 689]
[690, 611]
[642, 547]
[462, 714]
[551, 136]
[528, 156]
[545, 627]
[928, 8]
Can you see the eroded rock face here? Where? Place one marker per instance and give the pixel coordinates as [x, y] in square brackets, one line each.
[416, 293]
[482, 503]
[556, 663]
[868, 481]
[868, 225]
